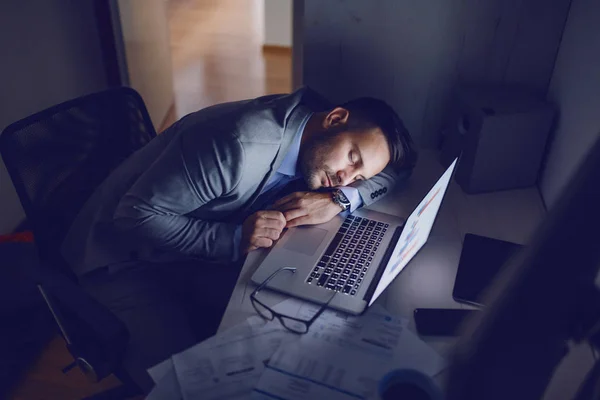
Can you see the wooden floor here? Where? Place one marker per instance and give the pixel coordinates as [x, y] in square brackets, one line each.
[216, 46]
[217, 56]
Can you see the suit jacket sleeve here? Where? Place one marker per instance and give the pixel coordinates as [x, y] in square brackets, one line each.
[193, 170]
[381, 184]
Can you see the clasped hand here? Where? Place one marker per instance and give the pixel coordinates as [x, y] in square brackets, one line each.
[262, 228]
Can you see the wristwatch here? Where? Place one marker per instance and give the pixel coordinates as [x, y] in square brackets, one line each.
[340, 199]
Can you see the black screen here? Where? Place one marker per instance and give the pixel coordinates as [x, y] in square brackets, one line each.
[480, 261]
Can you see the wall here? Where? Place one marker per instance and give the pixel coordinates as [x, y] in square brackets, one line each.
[575, 87]
[297, 43]
[51, 53]
[278, 23]
[412, 53]
[145, 29]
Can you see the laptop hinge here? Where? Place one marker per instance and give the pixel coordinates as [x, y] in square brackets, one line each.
[383, 264]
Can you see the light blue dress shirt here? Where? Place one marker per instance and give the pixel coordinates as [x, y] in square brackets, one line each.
[287, 172]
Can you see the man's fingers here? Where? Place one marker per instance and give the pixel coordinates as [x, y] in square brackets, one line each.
[269, 233]
[262, 242]
[294, 213]
[278, 223]
[271, 215]
[305, 220]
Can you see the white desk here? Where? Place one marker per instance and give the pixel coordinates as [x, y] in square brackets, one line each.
[428, 280]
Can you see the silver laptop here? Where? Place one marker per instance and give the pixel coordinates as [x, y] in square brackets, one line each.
[357, 256]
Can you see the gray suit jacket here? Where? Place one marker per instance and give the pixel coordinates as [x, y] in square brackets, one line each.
[184, 193]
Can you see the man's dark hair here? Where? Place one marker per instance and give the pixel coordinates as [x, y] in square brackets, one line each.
[369, 113]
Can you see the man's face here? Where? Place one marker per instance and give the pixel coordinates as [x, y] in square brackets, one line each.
[338, 158]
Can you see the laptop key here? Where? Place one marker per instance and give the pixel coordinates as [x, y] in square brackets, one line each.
[346, 271]
[313, 274]
[338, 288]
[351, 281]
[335, 276]
[334, 243]
[322, 280]
[338, 270]
[330, 287]
[309, 280]
[328, 270]
[365, 269]
[362, 274]
[353, 292]
[359, 280]
[353, 276]
[356, 286]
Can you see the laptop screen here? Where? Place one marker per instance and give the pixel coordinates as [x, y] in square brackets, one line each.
[415, 233]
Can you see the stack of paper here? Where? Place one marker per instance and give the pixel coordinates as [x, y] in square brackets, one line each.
[341, 356]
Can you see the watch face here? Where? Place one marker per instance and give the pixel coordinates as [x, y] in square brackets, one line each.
[342, 200]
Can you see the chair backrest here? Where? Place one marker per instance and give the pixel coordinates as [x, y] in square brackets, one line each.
[58, 157]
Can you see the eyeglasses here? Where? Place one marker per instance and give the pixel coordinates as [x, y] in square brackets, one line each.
[292, 324]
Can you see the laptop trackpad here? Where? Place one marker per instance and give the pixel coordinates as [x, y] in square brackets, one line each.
[305, 240]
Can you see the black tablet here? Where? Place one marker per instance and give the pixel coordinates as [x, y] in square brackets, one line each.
[480, 261]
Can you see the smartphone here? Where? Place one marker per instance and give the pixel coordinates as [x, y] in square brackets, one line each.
[440, 321]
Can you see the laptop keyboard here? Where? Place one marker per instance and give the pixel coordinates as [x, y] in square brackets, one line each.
[349, 255]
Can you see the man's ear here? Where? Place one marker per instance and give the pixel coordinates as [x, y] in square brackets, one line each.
[336, 117]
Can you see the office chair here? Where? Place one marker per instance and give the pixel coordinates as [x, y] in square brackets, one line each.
[56, 159]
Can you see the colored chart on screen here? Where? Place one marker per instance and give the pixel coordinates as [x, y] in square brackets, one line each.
[416, 231]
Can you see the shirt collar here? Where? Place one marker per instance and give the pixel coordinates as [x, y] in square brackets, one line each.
[289, 165]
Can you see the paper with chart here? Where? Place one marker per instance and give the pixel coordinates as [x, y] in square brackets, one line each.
[228, 367]
[344, 357]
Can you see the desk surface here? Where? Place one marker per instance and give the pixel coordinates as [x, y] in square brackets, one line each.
[428, 279]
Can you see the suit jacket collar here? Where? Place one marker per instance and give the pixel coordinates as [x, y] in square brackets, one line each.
[294, 122]
[298, 112]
